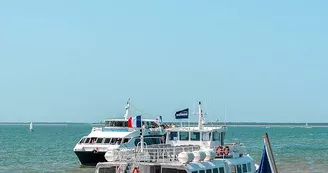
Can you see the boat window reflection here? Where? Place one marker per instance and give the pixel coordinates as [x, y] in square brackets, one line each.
[206, 136]
[249, 167]
[184, 136]
[216, 136]
[82, 140]
[173, 135]
[99, 140]
[195, 136]
[239, 169]
[87, 140]
[107, 141]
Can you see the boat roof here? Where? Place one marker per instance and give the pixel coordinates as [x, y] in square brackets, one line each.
[204, 165]
[239, 160]
[109, 133]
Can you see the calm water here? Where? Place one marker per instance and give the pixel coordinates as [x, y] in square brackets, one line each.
[50, 147]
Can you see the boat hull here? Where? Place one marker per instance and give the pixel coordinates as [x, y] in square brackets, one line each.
[90, 158]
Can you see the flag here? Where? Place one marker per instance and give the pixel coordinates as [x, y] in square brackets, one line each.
[159, 119]
[183, 114]
[134, 121]
[265, 166]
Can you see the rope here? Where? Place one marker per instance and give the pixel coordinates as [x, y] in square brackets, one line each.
[141, 111]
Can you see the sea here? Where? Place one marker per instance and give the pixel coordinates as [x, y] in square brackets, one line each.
[50, 147]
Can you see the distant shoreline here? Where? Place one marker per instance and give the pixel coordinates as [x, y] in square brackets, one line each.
[228, 124]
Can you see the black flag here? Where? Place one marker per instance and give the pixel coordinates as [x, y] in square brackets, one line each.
[183, 114]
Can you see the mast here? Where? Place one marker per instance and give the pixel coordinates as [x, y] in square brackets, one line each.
[31, 126]
[200, 116]
[225, 115]
[127, 108]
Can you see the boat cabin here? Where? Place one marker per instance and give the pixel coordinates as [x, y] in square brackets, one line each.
[207, 137]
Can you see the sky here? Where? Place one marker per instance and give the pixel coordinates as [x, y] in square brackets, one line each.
[79, 61]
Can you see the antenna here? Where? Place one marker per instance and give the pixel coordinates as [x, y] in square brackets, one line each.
[200, 116]
[127, 109]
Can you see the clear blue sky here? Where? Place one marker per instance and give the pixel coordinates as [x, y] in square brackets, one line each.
[81, 60]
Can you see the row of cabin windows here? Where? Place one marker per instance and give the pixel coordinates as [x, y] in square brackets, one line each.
[148, 141]
[214, 170]
[196, 136]
[112, 141]
[148, 124]
[241, 168]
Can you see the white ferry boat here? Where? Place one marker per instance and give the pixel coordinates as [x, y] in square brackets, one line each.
[117, 133]
[186, 150]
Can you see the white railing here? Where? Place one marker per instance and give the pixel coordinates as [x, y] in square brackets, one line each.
[155, 153]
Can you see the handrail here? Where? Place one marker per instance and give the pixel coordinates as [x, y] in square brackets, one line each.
[157, 153]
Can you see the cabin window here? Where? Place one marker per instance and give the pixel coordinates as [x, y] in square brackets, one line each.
[82, 140]
[233, 169]
[184, 136]
[113, 141]
[206, 136]
[173, 135]
[208, 171]
[195, 136]
[170, 170]
[99, 140]
[216, 136]
[117, 123]
[244, 168]
[153, 125]
[221, 169]
[148, 141]
[93, 140]
[119, 141]
[104, 170]
[249, 167]
[222, 137]
[87, 140]
[215, 170]
[194, 172]
[107, 140]
[239, 169]
[156, 140]
[201, 171]
[125, 140]
[136, 142]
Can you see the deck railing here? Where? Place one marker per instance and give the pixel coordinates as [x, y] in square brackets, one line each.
[155, 153]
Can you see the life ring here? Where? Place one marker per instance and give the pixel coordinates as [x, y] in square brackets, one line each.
[135, 170]
[226, 150]
[219, 151]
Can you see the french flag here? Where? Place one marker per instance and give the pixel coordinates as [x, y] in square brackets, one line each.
[134, 121]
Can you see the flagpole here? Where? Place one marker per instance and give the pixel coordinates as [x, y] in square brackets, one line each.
[270, 154]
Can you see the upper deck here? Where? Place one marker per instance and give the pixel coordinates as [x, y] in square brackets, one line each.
[123, 123]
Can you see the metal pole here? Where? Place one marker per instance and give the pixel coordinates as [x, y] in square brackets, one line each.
[270, 154]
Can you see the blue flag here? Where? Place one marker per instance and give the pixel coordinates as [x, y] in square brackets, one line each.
[265, 166]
